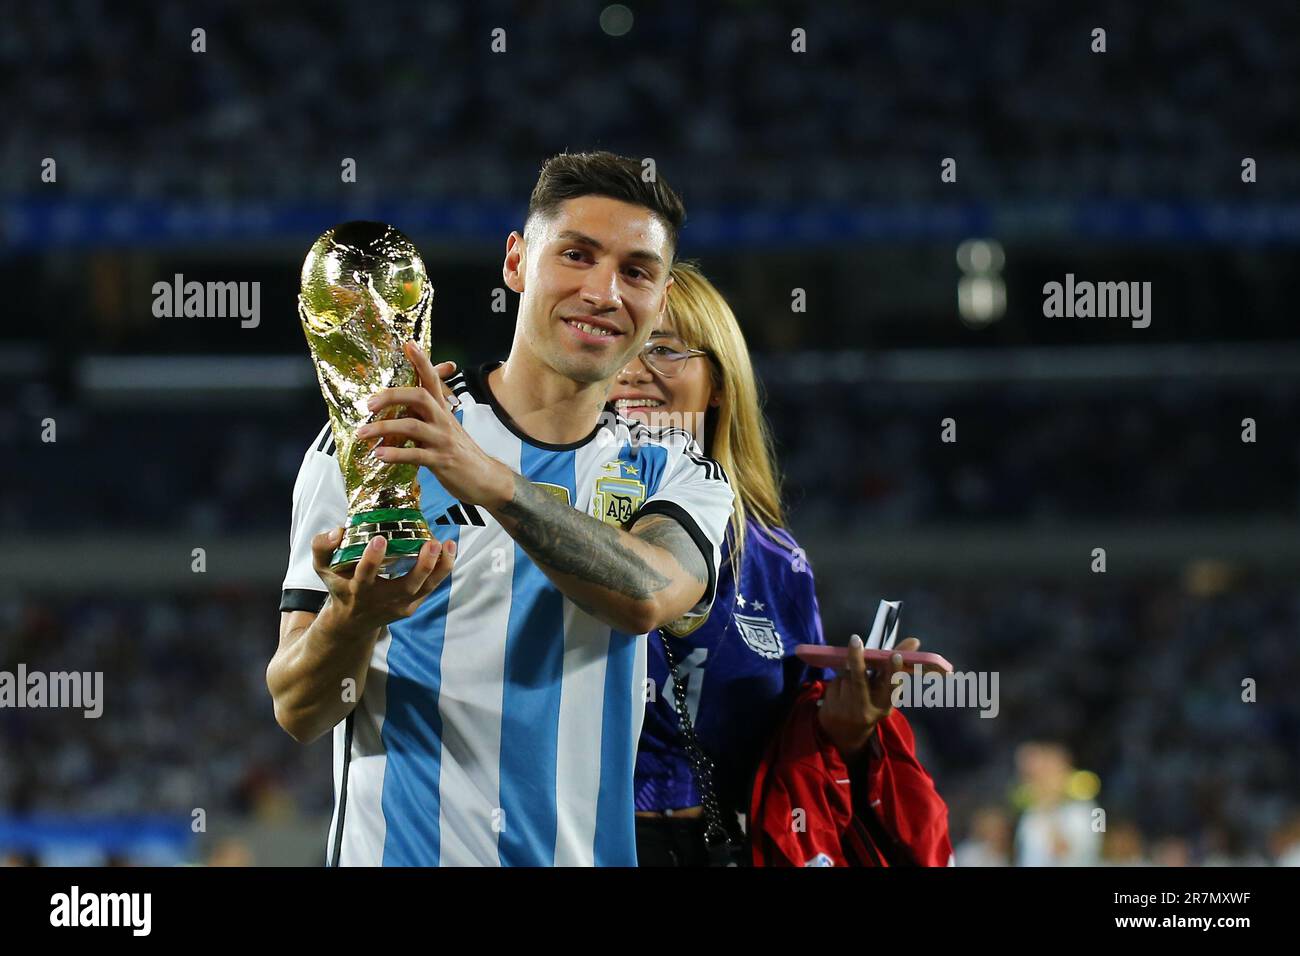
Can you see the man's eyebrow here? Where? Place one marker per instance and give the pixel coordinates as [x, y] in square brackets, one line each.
[572, 235]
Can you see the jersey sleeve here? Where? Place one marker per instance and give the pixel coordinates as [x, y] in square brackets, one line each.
[694, 492]
[320, 503]
[804, 591]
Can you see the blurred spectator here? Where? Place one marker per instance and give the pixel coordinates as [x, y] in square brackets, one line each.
[231, 852]
[1122, 845]
[1284, 844]
[989, 843]
[1171, 851]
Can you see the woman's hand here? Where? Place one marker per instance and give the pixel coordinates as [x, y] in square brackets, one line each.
[853, 703]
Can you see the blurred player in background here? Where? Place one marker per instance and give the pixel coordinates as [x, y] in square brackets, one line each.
[734, 674]
[1057, 826]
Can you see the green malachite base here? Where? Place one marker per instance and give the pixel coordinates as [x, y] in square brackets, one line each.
[353, 552]
[405, 528]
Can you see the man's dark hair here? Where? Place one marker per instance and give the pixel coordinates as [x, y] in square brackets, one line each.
[570, 175]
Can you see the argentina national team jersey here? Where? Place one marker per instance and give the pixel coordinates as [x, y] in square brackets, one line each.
[739, 673]
[498, 724]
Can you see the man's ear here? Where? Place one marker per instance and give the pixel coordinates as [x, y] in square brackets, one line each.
[663, 303]
[512, 270]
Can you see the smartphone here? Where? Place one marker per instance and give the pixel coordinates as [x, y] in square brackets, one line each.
[820, 655]
[877, 647]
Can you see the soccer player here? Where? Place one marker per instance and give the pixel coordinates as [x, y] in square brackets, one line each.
[738, 667]
[486, 705]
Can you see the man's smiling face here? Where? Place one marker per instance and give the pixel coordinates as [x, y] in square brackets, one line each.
[593, 279]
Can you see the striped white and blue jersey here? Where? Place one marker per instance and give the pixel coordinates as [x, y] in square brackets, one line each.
[499, 723]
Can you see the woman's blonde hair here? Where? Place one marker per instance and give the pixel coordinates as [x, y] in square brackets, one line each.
[736, 432]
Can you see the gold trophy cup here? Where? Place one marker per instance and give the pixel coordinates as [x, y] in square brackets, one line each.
[364, 293]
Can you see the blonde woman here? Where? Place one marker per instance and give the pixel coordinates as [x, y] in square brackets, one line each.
[724, 687]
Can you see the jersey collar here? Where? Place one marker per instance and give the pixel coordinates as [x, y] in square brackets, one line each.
[476, 382]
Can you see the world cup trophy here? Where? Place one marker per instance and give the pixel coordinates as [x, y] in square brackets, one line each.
[364, 293]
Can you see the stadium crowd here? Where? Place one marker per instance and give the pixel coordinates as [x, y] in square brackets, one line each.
[277, 99]
[1161, 455]
[1143, 689]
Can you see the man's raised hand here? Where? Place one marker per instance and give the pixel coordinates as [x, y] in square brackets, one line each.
[428, 434]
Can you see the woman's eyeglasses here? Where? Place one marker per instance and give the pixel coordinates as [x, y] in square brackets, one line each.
[668, 357]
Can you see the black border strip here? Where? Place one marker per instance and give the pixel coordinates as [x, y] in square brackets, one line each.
[343, 789]
[302, 599]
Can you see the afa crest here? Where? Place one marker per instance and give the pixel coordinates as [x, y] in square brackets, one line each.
[760, 635]
[619, 493]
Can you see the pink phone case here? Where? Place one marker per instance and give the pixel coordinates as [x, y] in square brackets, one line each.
[820, 655]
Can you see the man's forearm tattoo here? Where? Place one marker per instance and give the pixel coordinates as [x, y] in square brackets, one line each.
[664, 532]
[565, 539]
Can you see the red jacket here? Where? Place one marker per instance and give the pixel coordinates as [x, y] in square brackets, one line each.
[896, 818]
